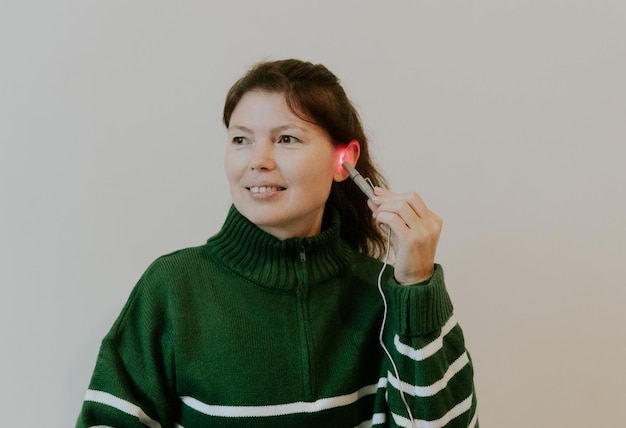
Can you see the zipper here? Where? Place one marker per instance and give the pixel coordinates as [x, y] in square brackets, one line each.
[302, 310]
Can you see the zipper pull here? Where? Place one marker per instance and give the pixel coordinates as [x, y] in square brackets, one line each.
[302, 254]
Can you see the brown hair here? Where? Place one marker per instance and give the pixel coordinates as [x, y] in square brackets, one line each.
[316, 95]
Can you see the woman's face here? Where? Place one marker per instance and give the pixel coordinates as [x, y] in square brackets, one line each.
[279, 167]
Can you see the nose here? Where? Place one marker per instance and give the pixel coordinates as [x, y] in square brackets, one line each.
[263, 157]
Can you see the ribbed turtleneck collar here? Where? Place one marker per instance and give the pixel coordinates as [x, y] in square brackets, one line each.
[271, 263]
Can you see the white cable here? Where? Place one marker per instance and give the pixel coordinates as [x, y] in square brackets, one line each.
[382, 328]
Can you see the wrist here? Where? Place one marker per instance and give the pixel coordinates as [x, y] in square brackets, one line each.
[418, 279]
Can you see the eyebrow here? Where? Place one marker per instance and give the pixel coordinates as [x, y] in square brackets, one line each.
[273, 130]
[240, 128]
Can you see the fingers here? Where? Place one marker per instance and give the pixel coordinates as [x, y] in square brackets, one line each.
[402, 209]
[415, 229]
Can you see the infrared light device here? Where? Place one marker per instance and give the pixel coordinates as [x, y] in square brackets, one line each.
[364, 184]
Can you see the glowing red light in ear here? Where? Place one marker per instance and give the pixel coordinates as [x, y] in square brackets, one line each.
[342, 157]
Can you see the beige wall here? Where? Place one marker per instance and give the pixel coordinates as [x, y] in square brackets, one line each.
[507, 116]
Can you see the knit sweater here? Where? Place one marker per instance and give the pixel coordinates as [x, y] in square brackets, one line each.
[249, 330]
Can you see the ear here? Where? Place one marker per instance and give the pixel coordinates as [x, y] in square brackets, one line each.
[350, 154]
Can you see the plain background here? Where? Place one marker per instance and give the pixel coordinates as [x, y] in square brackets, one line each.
[508, 117]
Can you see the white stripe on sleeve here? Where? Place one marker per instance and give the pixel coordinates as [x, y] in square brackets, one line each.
[430, 390]
[121, 405]
[456, 411]
[428, 350]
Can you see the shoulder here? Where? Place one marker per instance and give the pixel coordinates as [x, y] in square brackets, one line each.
[365, 266]
[182, 261]
[162, 289]
[170, 273]
[366, 270]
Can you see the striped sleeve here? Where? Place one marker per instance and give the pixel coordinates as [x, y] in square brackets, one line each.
[116, 396]
[429, 378]
[134, 388]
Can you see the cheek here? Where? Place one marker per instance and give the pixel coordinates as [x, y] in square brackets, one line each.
[321, 176]
[233, 165]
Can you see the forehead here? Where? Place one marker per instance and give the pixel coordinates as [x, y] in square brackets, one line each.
[265, 109]
[262, 102]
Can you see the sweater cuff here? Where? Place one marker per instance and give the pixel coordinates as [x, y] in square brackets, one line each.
[420, 308]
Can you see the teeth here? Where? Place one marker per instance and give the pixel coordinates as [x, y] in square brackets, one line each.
[263, 189]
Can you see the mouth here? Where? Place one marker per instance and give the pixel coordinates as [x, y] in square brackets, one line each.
[265, 189]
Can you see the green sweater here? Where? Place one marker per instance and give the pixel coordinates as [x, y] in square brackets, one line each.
[248, 330]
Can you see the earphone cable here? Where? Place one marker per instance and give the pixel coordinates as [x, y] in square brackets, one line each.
[380, 336]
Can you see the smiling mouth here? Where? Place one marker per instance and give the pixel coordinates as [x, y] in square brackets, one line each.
[265, 189]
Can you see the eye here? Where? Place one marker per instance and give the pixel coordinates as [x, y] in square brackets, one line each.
[238, 140]
[288, 139]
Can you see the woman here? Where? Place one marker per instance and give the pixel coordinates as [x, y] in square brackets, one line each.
[275, 321]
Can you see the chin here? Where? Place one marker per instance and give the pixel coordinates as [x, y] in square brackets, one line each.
[257, 215]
